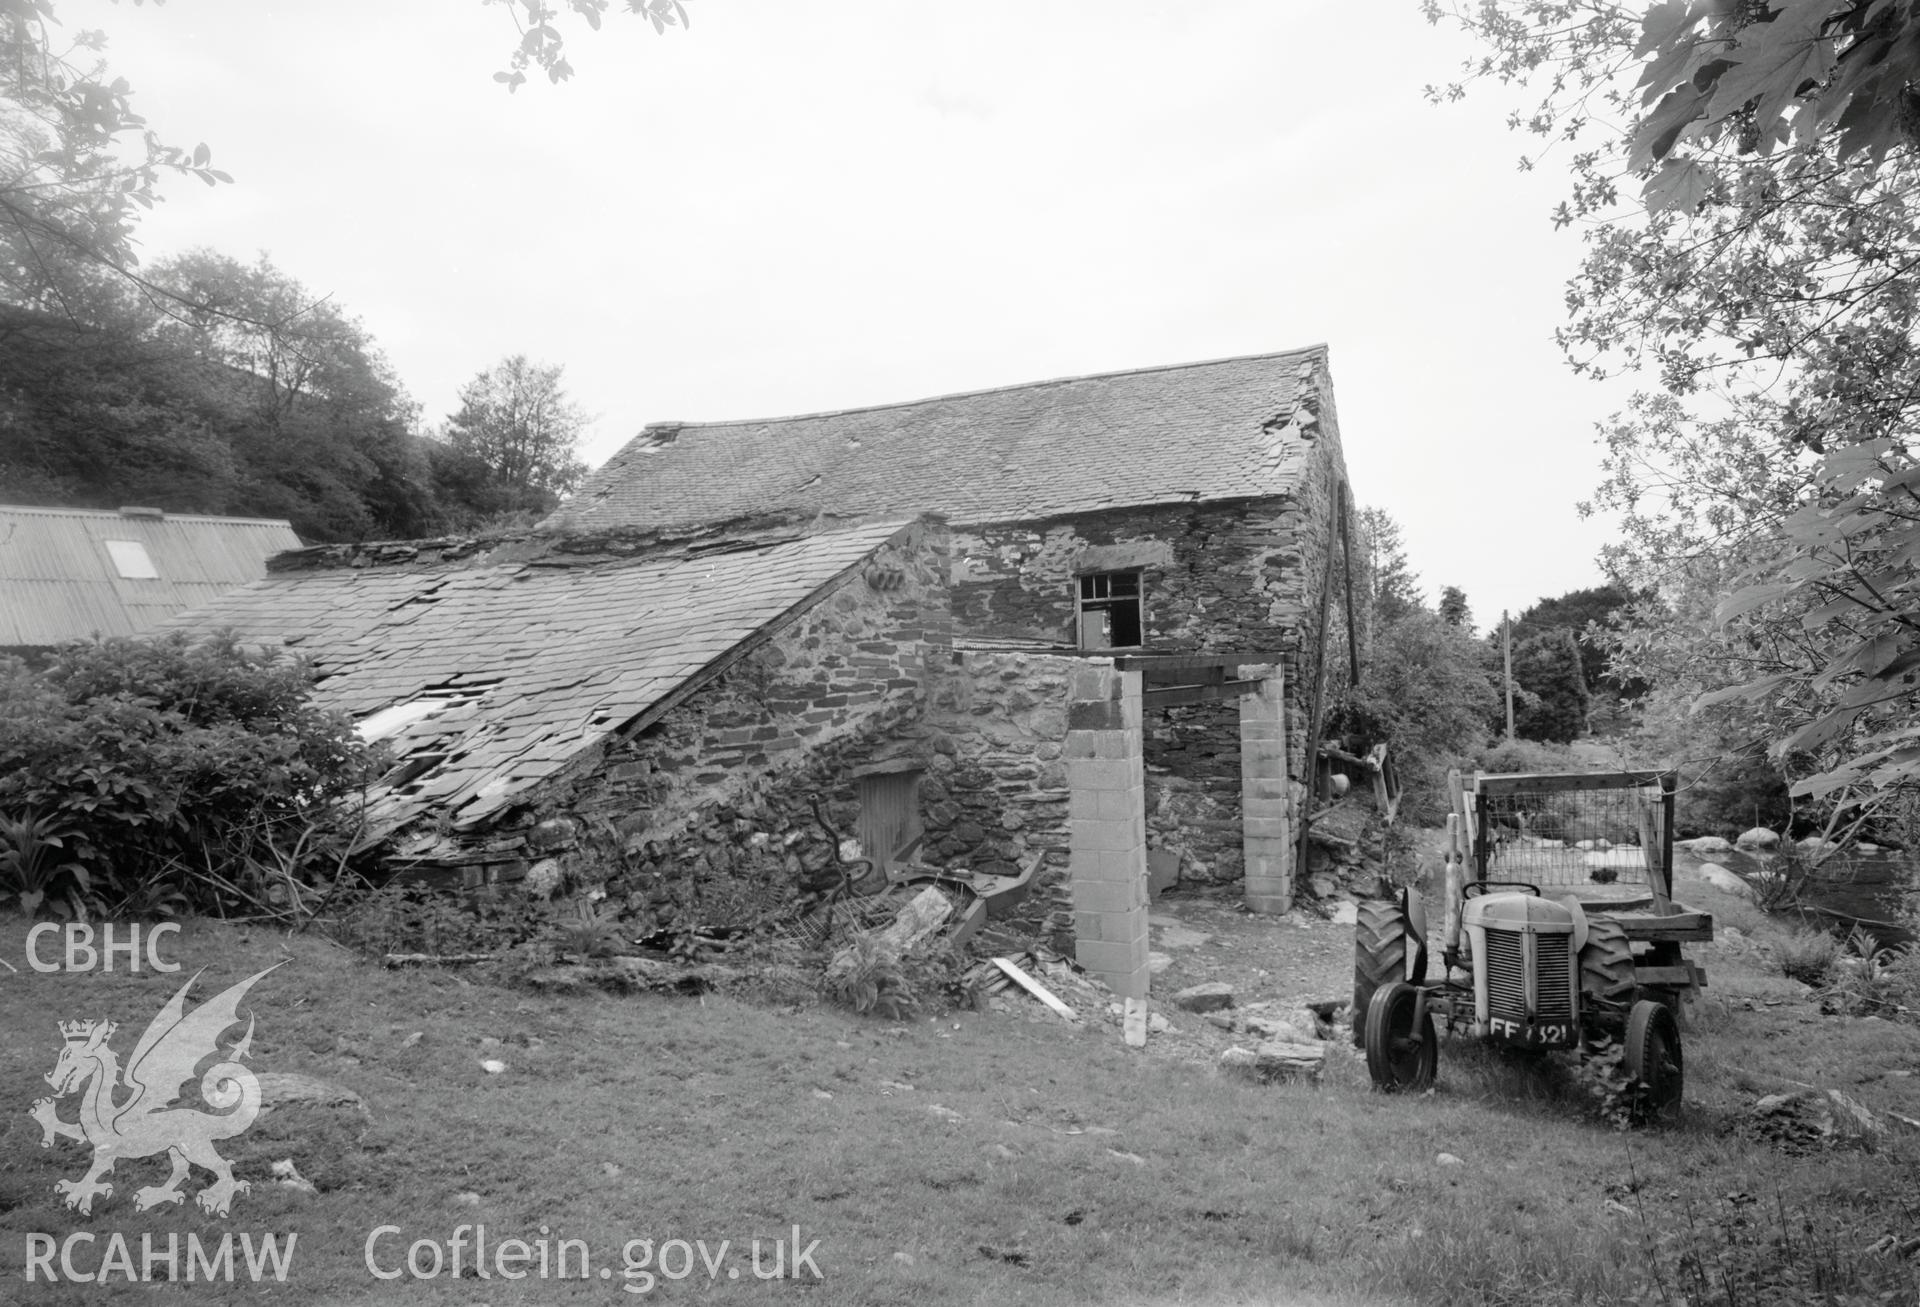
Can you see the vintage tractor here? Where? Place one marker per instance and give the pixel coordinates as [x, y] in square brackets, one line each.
[1575, 944]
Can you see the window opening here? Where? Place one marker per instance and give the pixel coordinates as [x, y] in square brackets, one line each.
[1109, 610]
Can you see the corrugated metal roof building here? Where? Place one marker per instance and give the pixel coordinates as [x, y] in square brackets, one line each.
[70, 573]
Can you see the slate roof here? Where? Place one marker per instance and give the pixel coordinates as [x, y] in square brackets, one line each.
[535, 660]
[1228, 429]
[59, 581]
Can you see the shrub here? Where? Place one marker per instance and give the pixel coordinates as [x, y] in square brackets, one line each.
[1807, 955]
[1527, 756]
[176, 767]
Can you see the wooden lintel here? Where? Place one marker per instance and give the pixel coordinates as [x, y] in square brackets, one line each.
[1173, 695]
[1160, 665]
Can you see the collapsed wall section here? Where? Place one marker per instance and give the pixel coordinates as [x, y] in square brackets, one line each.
[706, 810]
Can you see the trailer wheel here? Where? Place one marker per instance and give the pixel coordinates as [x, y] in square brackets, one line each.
[1606, 963]
[1386, 948]
[1398, 1055]
[1653, 1062]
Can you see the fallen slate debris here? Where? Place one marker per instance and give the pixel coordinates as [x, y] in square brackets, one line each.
[1210, 997]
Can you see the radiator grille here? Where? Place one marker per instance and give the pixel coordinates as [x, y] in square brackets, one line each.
[1507, 979]
[1506, 976]
[1553, 955]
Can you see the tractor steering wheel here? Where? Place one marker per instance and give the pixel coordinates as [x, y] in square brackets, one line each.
[1475, 887]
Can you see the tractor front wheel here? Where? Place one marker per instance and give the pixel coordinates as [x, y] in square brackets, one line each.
[1386, 948]
[1652, 1061]
[1399, 1055]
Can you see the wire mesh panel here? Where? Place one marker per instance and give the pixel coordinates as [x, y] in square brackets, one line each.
[1603, 835]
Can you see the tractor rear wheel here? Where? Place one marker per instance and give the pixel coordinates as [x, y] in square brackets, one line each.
[1606, 963]
[1386, 948]
[1652, 1061]
[1399, 1056]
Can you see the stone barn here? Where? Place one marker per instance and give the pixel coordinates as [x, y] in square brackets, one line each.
[1174, 529]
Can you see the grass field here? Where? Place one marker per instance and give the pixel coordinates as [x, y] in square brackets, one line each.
[964, 1159]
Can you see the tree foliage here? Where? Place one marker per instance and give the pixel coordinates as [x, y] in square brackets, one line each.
[1768, 285]
[77, 164]
[173, 771]
[1588, 614]
[1546, 663]
[267, 402]
[1426, 693]
[542, 44]
[1454, 610]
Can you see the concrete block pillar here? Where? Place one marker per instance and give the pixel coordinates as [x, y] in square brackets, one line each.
[1266, 836]
[1107, 822]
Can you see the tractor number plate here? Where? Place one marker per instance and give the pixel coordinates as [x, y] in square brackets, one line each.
[1556, 1034]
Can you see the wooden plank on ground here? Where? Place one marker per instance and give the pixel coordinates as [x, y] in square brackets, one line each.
[1035, 988]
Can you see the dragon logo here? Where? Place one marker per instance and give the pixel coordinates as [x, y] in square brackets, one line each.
[149, 1120]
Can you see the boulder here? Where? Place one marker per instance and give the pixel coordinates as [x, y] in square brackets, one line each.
[1274, 1060]
[1758, 838]
[1814, 1118]
[1706, 846]
[1723, 880]
[1210, 997]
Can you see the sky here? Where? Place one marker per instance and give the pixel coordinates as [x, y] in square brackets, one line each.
[788, 208]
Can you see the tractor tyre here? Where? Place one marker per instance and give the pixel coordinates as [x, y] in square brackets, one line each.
[1399, 1056]
[1652, 1062]
[1606, 963]
[1381, 935]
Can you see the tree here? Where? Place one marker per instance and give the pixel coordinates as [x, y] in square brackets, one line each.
[1769, 285]
[1395, 589]
[321, 426]
[1453, 608]
[265, 403]
[1586, 614]
[514, 438]
[1427, 695]
[1546, 664]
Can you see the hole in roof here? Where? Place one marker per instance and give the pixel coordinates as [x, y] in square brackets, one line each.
[406, 778]
[394, 718]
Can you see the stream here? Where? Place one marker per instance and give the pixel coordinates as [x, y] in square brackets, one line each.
[1850, 888]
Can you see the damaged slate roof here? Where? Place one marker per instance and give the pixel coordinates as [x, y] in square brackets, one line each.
[489, 674]
[1228, 429]
[70, 573]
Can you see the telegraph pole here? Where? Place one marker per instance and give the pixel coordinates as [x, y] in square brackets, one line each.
[1506, 646]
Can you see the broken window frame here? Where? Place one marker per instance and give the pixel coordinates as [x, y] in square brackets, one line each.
[1120, 599]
